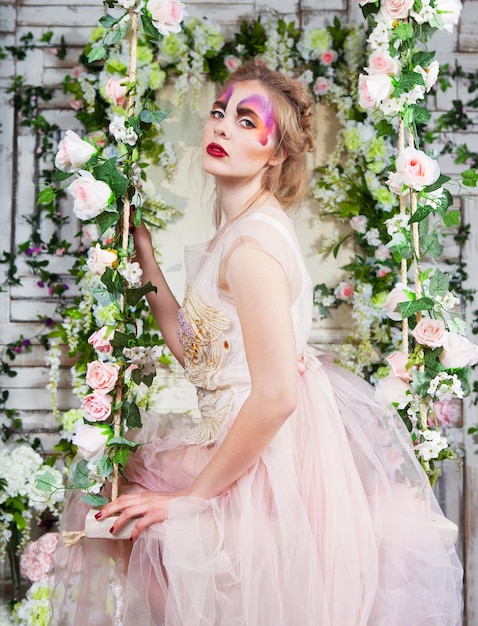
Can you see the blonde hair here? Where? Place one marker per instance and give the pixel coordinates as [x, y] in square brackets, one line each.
[288, 180]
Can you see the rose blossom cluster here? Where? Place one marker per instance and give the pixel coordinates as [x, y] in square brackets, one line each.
[376, 86]
[36, 560]
[101, 377]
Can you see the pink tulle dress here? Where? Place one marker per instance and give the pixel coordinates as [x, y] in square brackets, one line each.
[334, 525]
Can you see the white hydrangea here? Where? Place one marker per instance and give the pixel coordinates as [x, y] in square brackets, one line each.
[445, 386]
[120, 132]
[432, 445]
[145, 357]
[132, 273]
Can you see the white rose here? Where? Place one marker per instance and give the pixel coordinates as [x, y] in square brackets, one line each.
[374, 89]
[73, 152]
[430, 74]
[91, 196]
[99, 259]
[392, 389]
[91, 440]
[449, 12]
[458, 352]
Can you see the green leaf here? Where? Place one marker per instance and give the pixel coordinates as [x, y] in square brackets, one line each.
[410, 307]
[470, 177]
[121, 457]
[107, 20]
[442, 179]
[383, 127]
[109, 173]
[120, 339]
[421, 213]
[130, 413]
[149, 116]
[423, 58]
[97, 52]
[106, 219]
[453, 218]
[113, 281]
[116, 34]
[420, 382]
[420, 115]
[105, 466]
[46, 196]
[94, 500]
[403, 31]
[80, 475]
[431, 245]
[122, 442]
[148, 26]
[134, 295]
[439, 284]
[59, 176]
[45, 481]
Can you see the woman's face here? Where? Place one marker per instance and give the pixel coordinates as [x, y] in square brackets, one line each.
[239, 137]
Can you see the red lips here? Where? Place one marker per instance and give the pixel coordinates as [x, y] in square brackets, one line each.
[214, 149]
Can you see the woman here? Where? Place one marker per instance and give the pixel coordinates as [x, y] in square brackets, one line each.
[296, 500]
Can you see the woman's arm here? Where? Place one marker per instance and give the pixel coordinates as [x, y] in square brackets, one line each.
[163, 304]
[259, 287]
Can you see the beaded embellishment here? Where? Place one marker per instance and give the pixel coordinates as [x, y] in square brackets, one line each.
[201, 333]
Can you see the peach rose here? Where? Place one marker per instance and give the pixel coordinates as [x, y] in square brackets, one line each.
[91, 196]
[232, 62]
[99, 259]
[394, 298]
[380, 62]
[73, 152]
[167, 15]
[430, 332]
[398, 362]
[100, 342]
[415, 169]
[458, 352]
[102, 376]
[396, 9]
[90, 440]
[97, 406]
[393, 390]
[373, 90]
[116, 91]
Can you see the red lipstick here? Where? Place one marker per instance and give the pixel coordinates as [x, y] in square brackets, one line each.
[214, 149]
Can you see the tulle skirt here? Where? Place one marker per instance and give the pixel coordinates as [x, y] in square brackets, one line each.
[335, 525]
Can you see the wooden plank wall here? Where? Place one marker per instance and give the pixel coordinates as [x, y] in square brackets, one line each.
[19, 175]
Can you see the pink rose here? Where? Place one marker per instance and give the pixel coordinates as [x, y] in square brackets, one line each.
[458, 352]
[396, 9]
[394, 298]
[91, 196]
[373, 90]
[46, 560]
[90, 440]
[99, 259]
[97, 138]
[398, 362]
[359, 223]
[31, 569]
[393, 390]
[167, 15]
[382, 253]
[102, 376]
[100, 342]
[73, 152]
[415, 169]
[344, 291]
[77, 105]
[97, 406]
[430, 332]
[449, 12]
[116, 91]
[382, 271]
[322, 86]
[445, 412]
[232, 62]
[328, 57]
[91, 232]
[380, 62]
[47, 542]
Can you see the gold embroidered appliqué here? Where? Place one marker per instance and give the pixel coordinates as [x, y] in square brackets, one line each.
[201, 332]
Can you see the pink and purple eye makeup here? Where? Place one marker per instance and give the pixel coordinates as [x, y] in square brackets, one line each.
[260, 108]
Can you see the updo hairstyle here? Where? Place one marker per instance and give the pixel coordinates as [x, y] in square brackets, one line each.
[288, 181]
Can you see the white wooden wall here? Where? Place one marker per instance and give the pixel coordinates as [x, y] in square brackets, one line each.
[18, 176]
